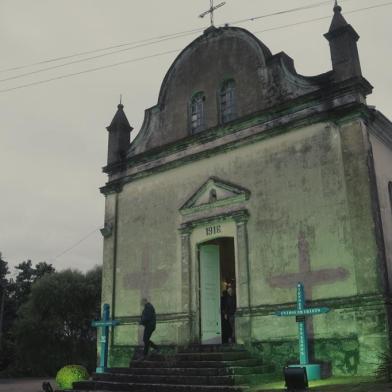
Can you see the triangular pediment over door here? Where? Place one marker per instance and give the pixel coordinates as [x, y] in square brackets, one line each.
[214, 193]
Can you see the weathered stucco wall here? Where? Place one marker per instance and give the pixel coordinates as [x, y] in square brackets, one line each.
[383, 167]
[310, 203]
[109, 252]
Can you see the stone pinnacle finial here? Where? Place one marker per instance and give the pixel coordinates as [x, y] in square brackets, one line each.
[119, 136]
[343, 43]
[120, 105]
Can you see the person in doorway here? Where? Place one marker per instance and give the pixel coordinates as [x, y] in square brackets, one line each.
[228, 309]
[148, 320]
[224, 319]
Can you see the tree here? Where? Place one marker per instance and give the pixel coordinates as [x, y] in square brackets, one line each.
[4, 319]
[3, 270]
[41, 269]
[54, 325]
[3, 289]
[13, 293]
[27, 275]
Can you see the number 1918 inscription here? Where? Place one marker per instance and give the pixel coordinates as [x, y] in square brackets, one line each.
[212, 230]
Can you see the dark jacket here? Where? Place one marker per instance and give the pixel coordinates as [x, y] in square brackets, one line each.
[228, 304]
[148, 318]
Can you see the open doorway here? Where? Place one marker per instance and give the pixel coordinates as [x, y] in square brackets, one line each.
[217, 291]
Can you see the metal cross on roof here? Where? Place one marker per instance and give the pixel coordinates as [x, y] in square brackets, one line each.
[212, 10]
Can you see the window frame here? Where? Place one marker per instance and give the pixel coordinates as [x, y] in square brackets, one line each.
[227, 92]
[197, 125]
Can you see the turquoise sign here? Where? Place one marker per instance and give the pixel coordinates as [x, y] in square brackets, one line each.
[104, 324]
[301, 312]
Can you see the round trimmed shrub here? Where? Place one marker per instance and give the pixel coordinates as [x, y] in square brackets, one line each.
[69, 374]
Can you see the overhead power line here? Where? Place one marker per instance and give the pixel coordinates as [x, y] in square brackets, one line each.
[148, 41]
[177, 50]
[75, 244]
[303, 8]
[322, 18]
[88, 70]
[88, 58]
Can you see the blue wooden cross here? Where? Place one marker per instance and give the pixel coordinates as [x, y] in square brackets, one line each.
[105, 323]
[313, 370]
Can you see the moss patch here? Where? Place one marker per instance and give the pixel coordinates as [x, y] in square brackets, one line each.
[338, 357]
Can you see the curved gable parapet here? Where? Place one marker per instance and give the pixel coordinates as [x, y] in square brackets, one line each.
[261, 81]
[214, 42]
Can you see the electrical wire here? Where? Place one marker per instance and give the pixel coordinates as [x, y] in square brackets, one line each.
[86, 59]
[152, 40]
[75, 244]
[88, 70]
[321, 18]
[177, 50]
[305, 7]
[147, 41]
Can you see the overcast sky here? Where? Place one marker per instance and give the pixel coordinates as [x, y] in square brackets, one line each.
[53, 139]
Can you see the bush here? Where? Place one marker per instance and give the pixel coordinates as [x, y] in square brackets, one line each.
[69, 374]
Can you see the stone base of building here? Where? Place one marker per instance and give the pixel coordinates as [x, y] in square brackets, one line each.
[337, 356]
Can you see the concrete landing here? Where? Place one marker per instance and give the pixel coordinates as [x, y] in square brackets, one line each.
[24, 384]
[335, 384]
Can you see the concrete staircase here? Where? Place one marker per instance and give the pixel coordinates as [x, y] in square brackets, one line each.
[192, 369]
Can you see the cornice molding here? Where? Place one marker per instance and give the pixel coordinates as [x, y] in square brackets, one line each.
[213, 141]
[238, 216]
[161, 318]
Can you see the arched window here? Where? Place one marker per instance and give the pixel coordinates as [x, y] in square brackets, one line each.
[227, 101]
[197, 112]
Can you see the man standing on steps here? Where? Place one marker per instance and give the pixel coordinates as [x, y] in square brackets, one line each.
[148, 320]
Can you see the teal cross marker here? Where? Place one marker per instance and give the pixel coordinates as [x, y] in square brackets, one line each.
[105, 323]
[301, 312]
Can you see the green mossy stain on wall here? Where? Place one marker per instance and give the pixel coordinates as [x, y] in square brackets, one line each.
[339, 356]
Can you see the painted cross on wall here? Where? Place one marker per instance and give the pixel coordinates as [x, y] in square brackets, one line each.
[310, 278]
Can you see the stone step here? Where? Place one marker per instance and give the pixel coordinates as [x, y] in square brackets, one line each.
[197, 348]
[125, 387]
[213, 356]
[213, 371]
[169, 363]
[193, 369]
[176, 379]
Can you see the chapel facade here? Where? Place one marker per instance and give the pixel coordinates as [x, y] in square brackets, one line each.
[247, 174]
